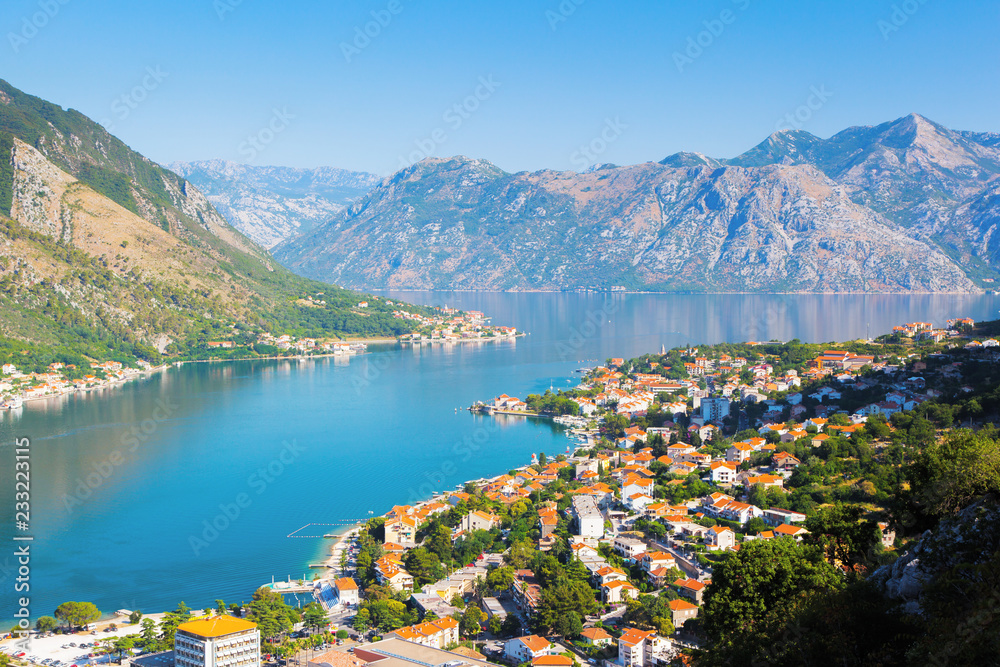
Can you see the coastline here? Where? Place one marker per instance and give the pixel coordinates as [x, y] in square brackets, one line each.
[145, 373]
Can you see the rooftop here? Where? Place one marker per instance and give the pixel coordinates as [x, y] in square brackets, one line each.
[216, 626]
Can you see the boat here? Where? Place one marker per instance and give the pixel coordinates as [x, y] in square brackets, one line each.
[14, 403]
[583, 370]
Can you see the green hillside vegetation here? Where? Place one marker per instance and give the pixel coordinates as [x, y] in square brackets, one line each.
[107, 288]
[77, 315]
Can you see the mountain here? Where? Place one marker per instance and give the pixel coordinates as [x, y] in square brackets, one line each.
[906, 206]
[271, 204]
[104, 253]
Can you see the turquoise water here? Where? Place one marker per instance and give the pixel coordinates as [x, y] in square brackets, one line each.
[185, 485]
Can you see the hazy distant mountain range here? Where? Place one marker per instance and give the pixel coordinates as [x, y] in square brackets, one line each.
[271, 204]
[907, 205]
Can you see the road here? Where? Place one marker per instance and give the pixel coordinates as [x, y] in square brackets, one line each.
[688, 566]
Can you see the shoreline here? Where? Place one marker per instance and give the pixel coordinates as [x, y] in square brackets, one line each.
[981, 292]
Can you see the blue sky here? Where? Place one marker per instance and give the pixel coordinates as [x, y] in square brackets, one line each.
[291, 83]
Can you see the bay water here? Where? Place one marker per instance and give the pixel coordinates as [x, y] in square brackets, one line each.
[207, 480]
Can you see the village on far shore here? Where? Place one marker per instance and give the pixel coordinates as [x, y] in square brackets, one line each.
[447, 325]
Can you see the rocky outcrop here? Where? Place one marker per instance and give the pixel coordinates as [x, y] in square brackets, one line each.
[959, 544]
[83, 149]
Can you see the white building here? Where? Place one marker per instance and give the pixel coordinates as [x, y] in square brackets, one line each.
[714, 409]
[629, 547]
[589, 520]
[637, 648]
[526, 649]
[347, 591]
[217, 641]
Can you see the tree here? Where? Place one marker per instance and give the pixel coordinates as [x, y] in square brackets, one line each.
[495, 626]
[168, 626]
[615, 425]
[561, 598]
[342, 634]
[569, 625]
[123, 645]
[366, 569]
[755, 525]
[457, 601]
[511, 626]
[471, 623]
[362, 620]
[845, 535]
[135, 617]
[46, 624]
[148, 640]
[500, 578]
[424, 566]
[220, 607]
[439, 541]
[650, 612]
[388, 614]
[269, 611]
[949, 475]
[77, 614]
[520, 554]
[314, 616]
[756, 590]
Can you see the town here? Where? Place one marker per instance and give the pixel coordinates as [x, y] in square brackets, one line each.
[607, 555]
[59, 379]
[449, 325]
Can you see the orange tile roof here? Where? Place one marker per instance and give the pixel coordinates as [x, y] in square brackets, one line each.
[216, 626]
[681, 605]
[595, 634]
[632, 636]
[535, 643]
[337, 659]
[692, 584]
[346, 584]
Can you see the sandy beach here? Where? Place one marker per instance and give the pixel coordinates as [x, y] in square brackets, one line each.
[342, 545]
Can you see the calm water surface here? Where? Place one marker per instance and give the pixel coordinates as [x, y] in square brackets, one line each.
[185, 485]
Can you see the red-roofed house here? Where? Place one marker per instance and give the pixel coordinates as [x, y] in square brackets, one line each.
[692, 589]
[616, 592]
[720, 538]
[787, 530]
[638, 648]
[526, 649]
[682, 611]
[347, 590]
[596, 637]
